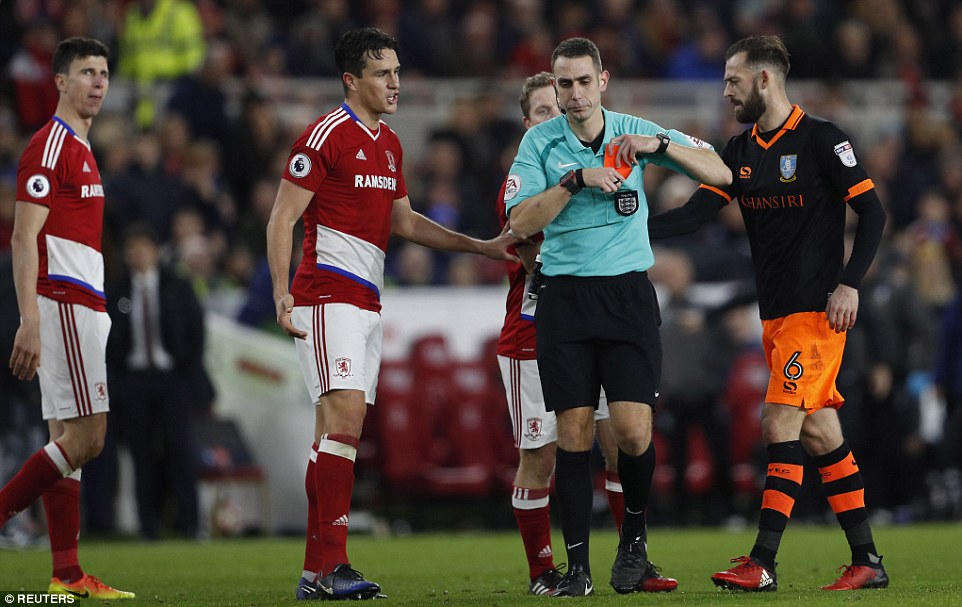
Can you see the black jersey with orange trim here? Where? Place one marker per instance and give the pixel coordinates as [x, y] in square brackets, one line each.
[792, 185]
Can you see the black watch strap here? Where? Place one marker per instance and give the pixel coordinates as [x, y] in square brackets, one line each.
[569, 181]
[663, 146]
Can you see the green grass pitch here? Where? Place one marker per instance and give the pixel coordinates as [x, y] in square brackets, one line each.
[923, 561]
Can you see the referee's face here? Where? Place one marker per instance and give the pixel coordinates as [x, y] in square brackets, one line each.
[579, 87]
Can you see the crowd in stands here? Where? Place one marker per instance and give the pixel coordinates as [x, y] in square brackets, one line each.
[200, 149]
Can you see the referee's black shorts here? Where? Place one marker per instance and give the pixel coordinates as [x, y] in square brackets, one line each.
[598, 332]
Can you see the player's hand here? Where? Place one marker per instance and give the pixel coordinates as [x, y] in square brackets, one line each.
[629, 146]
[25, 359]
[285, 306]
[842, 308]
[497, 247]
[606, 179]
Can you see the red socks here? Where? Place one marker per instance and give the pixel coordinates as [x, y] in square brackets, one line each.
[61, 502]
[334, 484]
[532, 513]
[43, 469]
[616, 498]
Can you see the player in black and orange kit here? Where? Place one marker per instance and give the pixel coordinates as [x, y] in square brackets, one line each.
[793, 175]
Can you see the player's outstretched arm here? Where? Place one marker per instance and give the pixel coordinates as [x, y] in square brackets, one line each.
[28, 221]
[290, 204]
[701, 163]
[411, 225]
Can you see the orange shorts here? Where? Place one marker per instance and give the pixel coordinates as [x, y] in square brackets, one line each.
[804, 356]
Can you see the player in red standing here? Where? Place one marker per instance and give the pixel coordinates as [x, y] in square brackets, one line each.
[59, 275]
[344, 178]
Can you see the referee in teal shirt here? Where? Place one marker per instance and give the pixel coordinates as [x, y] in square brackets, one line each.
[579, 178]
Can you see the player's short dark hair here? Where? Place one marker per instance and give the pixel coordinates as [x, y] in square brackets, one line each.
[355, 47]
[769, 51]
[578, 47]
[531, 84]
[76, 48]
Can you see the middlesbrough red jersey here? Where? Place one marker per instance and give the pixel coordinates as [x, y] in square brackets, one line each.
[517, 338]
[355, 175]
[58, 171]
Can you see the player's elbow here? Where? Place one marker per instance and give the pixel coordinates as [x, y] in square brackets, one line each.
[718, 175]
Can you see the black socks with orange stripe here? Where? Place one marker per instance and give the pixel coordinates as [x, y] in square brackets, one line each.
[845, 490]
[782, 484]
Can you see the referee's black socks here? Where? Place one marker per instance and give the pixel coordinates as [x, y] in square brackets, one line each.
[575, 493]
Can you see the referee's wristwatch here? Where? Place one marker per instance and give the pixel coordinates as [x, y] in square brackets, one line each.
[664, 140]
[572, 182]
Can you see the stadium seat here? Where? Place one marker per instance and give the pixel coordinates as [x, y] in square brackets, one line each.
[227, 468]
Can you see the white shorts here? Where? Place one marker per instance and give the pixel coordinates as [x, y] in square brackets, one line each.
[533, 426]
[73, 365]
[342, 350]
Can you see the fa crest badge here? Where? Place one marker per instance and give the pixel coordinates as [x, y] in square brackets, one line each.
[626, 202]
[786, 166]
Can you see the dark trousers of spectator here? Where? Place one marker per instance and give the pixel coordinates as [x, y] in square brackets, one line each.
[154, 418]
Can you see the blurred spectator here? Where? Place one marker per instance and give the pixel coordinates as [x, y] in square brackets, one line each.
[948, 380]
[199, 96]
[701, 54]
[250, 29]
[161, 40]
[480, 54]
[853, 51]
[30, 70]
[313, 35]
[916, 168]
[803, 26]
[691, 400]
[254, 140]
[175, 137]
[157, 381]
[252, 226]
[8, 206]
[204, 189]
[430, 44]
[899, 332]
[141, 191]
[935, 245]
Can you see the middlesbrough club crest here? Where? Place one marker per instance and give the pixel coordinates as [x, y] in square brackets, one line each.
[390, 161]
[533, 427]
[342, 367]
